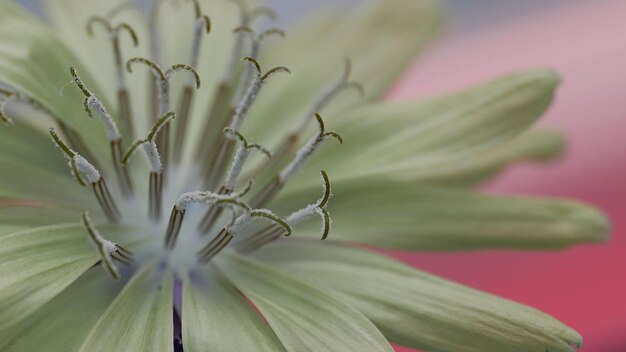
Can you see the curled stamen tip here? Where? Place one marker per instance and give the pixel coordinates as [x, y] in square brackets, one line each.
[270, 32]
[275, 70]
[130, 30]
[326, 188]
[207, 23]
[79, 82]
[243, 29]
[336, 135]
[254, 62]
[179, 67]
[97, 19]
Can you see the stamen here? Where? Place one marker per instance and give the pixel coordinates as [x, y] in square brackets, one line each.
[226, 235]
[254, 53]
[272, 232]
[239, 160]
[80, 168]
[242, 154]
[214, 213]
[291, 141]
[217, 164]
[317, 208]
[202, 25]
[107, 249]
[220, 109]
[163, 86]
[178, 211]
[113, 134]
[302, 156]
[122, 93]
[156, 166]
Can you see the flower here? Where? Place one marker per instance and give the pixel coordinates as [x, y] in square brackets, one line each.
[402, 180]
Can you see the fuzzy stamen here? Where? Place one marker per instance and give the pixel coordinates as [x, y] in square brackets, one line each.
[107, 249]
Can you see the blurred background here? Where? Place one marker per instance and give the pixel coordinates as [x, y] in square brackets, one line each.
[585, 41]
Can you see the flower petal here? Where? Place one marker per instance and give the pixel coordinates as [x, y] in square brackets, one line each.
[303, 317]
[36, 265]
[140, 318]
[34, 169]
[18, 215]
[405, 216]
[63, 323]
[34, 62]
[381, 38]
[534, 145]
[419, 310]
[422, 141]
[216, 317]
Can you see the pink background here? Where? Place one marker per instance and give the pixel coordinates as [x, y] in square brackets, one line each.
[585, 286]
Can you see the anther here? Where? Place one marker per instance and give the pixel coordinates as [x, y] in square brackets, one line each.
[302, 156]
[80, 168]
[107, 249]
[228, 233]
[162, 80]
[156, 166]
[202, 25]
[217, 164]
[113, 134]
[272, 232]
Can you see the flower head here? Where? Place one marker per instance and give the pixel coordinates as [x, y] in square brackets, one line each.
[238, 265]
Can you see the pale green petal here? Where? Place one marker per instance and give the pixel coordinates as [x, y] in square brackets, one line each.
[419, 310]
[35, 62]
[303, 317]
[63, 323]
[406, 216]
[381, 38]
[421, 141]
[22, 215]
[34, 169]
[534, 145]
[36, 265]
[217, 317]
[140, 318]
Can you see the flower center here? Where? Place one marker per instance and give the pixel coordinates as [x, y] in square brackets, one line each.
[213, 202]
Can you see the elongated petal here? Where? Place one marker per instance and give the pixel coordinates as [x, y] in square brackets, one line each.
[63, 323]
[539, 145]
[34, 169]
[35, 62]
[381, 38]
[216, 317]
[422, 141]
[38, 264]
[405, 216]
[303, 317]
[140, 318]
[419, 310]
[18, 215]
